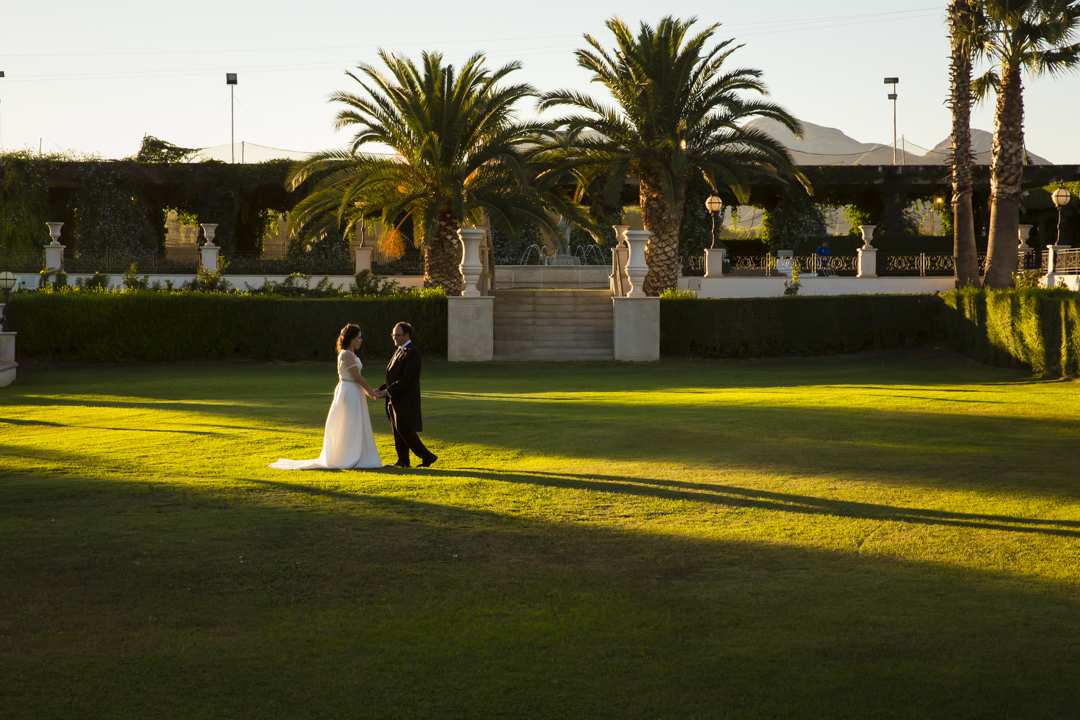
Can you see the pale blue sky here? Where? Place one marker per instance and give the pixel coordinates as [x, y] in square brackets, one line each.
[95, 76]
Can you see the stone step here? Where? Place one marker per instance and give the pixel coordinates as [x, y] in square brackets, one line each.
[559, 317]
[558, 356]
[527, 346]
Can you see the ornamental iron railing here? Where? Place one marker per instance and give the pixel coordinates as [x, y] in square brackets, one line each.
[112, 263]
[251, 263]
[1067, 261]
[22, 261]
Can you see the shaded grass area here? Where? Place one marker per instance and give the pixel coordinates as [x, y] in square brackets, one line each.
[886, 535]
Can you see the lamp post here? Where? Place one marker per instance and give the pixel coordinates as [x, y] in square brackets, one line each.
[892, 96]
[7, 281]
[1061, 198]
[230, 80]
[715, 206]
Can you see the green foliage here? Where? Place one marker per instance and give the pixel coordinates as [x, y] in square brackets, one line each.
[154, 150]
[24, 200]
[54, 279]
[132, 281]
[791, 287]
[99, 282]
[855, 217]
[1027, 279]
[1023, 327]
[676, 294]
[209, 282]
[368, 285]
[757, 327]
[112, 215]
[795, 218]
[162, 327]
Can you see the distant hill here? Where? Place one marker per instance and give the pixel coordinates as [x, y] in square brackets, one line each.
[829, 146]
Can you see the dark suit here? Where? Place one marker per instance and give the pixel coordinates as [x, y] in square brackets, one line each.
[403, 403]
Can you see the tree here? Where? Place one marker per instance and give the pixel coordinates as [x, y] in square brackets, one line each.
[966, 270]
[1014, 35]
[458, 154]
[677, 112]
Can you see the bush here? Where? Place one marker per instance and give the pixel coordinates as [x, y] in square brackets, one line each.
[162, 327]
[757, 327]
[1031, 328]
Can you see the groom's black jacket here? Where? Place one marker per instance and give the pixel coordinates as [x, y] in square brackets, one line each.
[403, 384]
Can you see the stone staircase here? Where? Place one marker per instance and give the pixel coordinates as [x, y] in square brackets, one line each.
[533, 324]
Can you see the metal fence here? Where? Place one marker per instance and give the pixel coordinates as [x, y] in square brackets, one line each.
[1067, 261]
[411, 263]
[252, 263]
[22, 261]
[112, 263]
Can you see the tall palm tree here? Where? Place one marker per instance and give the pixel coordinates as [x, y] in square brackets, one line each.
[966, 255]
[458, 154]
[676, 112]
[1016, 35]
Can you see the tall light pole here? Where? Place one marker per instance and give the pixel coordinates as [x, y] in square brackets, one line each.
[230, 80]
[892, 96]
[1, 128]
[1061, 198]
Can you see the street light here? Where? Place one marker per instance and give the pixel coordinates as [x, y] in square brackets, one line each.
[1061, 198]
[7, 281]
[230, 80]
[892, 96]
[715, 206]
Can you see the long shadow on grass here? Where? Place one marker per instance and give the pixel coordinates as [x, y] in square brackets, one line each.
[380, 607]
[731, 496]
[1023, 454]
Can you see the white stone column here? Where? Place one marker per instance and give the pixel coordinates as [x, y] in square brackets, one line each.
[209, 251]
[470, 328]
[636, 268]
[7, 357]
[714, 262]
[636, 328]
[867, 253]
[361, 257]
[470, 266]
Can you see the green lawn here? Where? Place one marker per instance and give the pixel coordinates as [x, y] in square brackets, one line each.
[885, 535]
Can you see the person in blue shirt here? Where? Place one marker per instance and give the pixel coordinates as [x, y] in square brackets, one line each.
[824, 254]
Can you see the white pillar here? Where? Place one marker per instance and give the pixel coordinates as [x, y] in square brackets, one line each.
[714, 262]
[471, 267]
[7, 358]
[636, 268]
[54, 251]
[470, 328]
[209, 251]
[362, 257]
[867, 253]
[636, 328]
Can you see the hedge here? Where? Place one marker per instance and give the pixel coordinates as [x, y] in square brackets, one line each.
[1037, 329]
[160, 327]
[757, 327]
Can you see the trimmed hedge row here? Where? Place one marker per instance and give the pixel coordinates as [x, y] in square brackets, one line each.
[1031, 328]
[757, 327]
[162, 327]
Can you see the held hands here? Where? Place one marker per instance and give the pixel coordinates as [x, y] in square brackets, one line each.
[376, 394]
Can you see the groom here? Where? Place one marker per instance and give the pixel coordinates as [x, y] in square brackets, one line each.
[402, 393]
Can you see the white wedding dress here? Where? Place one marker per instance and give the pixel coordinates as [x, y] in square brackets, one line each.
[348, 441]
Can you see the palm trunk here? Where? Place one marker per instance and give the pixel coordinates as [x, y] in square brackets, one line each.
[662, 250]
[1006, 174]
[965, 255]
[442, 256]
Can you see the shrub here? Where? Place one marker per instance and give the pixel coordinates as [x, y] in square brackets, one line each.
[756, 327]
[1031, 328]
[132, 281]
[162, 327]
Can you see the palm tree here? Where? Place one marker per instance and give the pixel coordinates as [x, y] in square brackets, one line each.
[677, 112]
[1016, 35]
[458, 155]
[962, 159]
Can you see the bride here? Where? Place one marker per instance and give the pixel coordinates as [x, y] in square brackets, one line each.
[348, 441]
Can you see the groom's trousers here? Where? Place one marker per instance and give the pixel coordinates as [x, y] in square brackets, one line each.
[405, 440]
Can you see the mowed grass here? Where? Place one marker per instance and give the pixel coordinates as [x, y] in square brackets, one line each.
[884, 535]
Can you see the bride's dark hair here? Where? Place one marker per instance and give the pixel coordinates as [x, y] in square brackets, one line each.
[348, 334]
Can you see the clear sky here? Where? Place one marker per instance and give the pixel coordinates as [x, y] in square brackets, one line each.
[94, 77]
